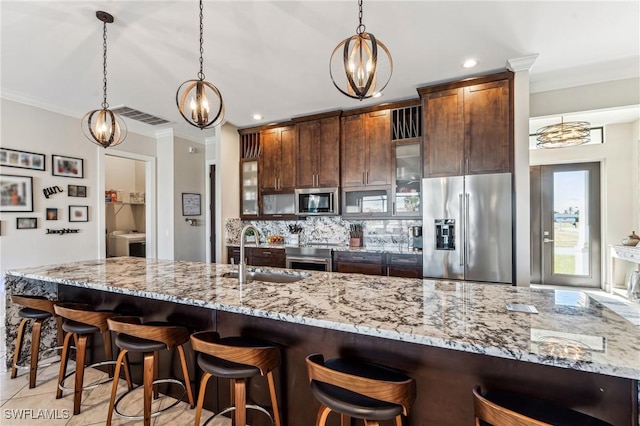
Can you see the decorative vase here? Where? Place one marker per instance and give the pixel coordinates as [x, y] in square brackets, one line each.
[631, 240]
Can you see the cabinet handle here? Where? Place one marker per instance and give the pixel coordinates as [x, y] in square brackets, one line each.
[266, 252]
[393, 208]
[275, 183]
[388, 271]
[467, 165]
[367, 175]
[363, 178]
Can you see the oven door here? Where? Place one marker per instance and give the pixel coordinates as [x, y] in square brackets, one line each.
[309, 263]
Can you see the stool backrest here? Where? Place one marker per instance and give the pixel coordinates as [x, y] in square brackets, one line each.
[402, 393]
[84, 314]
[40, 303]
[170, 335]
[496, 415]
[265, 358]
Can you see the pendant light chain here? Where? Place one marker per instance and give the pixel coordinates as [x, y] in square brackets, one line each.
[105, 105]
[361, 28]
[201, 73]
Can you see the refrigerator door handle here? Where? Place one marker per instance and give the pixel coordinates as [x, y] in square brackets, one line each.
[461, 236]
[466, 227]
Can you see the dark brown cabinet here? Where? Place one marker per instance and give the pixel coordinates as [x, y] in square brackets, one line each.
[258, 256]
[468, 126]
[318, 153]
[404, 265]
[366, 149]
[359, 263]
[278, 159]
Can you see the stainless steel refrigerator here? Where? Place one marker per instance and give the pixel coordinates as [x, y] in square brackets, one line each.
[467, 228]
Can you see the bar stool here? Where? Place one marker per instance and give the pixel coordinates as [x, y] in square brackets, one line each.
[38, 309]
[237, 359]
[149, 338]
[510, 409]
[361, 390]
[80, 322]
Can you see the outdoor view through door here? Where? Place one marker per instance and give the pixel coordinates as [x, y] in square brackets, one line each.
[568, 237]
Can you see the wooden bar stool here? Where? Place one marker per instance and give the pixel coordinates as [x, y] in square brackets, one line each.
[147, 338]
[38, 309]
[237, 359]
[80, 322]
[361, 390]
[510, 409]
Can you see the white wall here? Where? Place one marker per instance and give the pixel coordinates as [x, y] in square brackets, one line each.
[189, 177]
[619, 165]
[58, 134]
[227, 154]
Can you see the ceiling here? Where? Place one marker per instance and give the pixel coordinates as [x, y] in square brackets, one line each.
[272, 57]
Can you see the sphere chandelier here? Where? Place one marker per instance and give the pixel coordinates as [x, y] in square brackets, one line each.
[202, 96]
[561, 135]
[102, 126]
[360, 72]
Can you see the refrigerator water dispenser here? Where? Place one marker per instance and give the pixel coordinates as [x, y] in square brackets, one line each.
[445, 234]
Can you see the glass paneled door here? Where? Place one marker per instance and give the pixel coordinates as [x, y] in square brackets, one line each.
[570, 224]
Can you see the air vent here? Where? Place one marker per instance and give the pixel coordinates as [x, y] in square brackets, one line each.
[143, 117]
[406, 123]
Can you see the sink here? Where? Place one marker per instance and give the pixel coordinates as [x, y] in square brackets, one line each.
[271, 277]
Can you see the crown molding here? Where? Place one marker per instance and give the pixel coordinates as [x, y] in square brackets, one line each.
[523, 63]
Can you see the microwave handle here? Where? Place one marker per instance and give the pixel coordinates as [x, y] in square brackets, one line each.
[331, 202]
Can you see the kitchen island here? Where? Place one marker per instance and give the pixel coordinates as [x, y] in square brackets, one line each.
[449, 336]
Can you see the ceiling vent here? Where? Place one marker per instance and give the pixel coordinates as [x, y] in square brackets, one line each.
[143, 117]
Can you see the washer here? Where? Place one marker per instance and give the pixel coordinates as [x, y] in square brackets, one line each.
[125, 243]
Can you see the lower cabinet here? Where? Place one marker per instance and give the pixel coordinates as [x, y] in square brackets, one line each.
[258, 256]
[389, 264]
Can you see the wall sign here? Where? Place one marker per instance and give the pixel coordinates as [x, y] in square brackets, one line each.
[51, 190]
[190, 204]
[62, 231]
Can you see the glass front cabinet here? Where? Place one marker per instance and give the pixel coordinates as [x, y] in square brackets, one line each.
[408, 173]
[249, 188]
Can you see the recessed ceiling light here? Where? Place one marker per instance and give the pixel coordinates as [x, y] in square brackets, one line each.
[257, 117]
[377, 95]
[469, 63]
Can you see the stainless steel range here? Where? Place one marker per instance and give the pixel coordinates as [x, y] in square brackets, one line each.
[309, 258]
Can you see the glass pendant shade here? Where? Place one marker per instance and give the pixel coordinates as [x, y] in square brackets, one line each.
[361, 65]
[563, 134]
[104, 128]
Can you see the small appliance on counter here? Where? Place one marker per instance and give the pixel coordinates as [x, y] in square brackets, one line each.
[416, 238]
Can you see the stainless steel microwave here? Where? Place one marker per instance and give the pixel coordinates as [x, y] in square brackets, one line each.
[317, 201]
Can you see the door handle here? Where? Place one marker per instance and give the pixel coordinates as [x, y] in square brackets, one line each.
[547, 240]
[461, 224]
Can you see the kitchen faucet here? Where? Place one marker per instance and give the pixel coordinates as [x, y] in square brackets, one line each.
[242, 265]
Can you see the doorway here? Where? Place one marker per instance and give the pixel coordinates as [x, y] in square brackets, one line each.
[212, 212]
[565, 225]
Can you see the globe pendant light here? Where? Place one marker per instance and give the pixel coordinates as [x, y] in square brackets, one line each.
[361, 69]
[102, 126]
[571, 133]
[203, 97]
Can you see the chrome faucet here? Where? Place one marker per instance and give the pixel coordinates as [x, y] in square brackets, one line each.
[242, 265]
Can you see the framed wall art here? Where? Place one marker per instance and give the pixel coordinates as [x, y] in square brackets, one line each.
[27, 223]
[67, 166]
[52, 214]
[190, 204]
[76, 191]
[16, 193]
[21, 159]
[78, 213]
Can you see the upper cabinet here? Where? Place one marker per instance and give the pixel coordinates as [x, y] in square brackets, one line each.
[468, 126]
[319, 152]
[278, 159]
[249, 154]
[366, 149]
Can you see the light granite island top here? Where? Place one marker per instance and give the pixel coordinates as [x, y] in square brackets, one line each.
[570, 330]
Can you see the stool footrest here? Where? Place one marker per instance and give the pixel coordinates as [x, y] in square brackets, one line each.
[19, 365]
[249, 406]
[90, 386]
[155, 413]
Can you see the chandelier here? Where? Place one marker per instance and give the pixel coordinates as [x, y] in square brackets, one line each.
[102, 126]
[563, 134]
[359, 69]
[197, 111]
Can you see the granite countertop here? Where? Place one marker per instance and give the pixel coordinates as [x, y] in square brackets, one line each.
[571, 330]
[392, 248]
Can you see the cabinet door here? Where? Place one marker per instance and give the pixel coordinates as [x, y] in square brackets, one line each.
[328, 157]
[308, 134]
[443, 133]
[353, 151]
[487, 112]
[270, 160]
[287, 166]
[378, 141]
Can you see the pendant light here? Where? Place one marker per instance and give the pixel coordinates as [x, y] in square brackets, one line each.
[359, 69]
[203, 97]
[571, 133]
[102, 126]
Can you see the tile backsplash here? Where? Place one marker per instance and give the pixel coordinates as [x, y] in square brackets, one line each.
[329, 230]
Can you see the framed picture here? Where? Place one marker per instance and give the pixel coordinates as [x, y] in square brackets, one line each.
[27, 223]
[190, 204]
[76, 191]
[67, 166]
[16, 193]
[52, 214]
[21, 159]
[78, 213]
